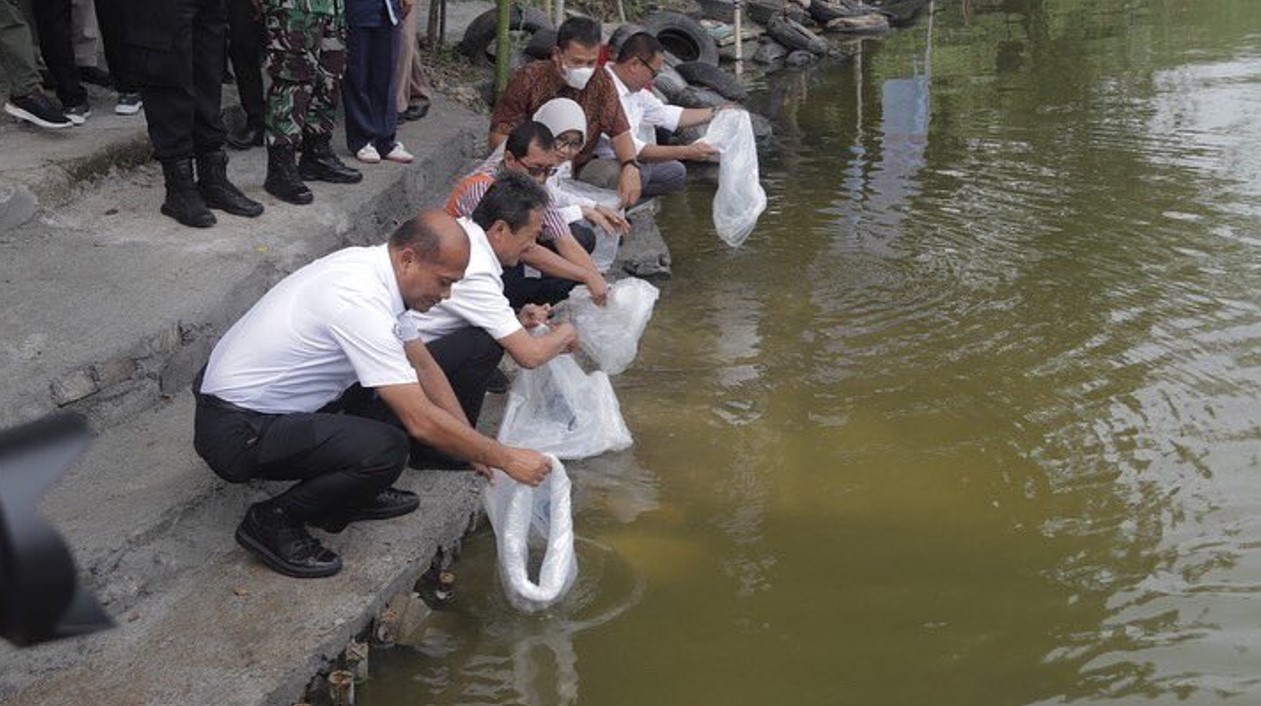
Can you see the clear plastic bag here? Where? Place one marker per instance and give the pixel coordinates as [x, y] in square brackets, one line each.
[558, 409]
[740, 198]
[519, 513]
[610, 334]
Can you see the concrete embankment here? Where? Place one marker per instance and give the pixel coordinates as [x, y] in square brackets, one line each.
[110, 310]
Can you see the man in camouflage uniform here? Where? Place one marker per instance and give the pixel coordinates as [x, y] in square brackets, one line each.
[306, 54]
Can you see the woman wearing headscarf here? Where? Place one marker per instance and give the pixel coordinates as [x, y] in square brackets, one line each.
[577, 200]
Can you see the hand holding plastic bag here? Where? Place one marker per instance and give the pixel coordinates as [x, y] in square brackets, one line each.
[516, 511]
[740, 198]
[610, 334]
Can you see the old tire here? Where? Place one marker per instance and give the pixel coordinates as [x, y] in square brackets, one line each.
[682, 36]
[698, 97]
[619, 37]
[874, 23]
[701, 74]
[769, 52]
[794, 35]
[478, 43]
[541, 44]
[761, 11]
[800, 58]
[669, 82]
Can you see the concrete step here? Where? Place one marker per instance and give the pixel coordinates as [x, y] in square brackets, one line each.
[199, 620]
[111, 306]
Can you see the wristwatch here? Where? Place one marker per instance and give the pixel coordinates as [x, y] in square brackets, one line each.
[630, 163]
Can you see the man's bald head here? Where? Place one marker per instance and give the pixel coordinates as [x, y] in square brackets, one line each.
[430, 253]
[434, 236]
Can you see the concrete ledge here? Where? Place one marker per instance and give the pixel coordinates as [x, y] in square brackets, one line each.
[114, 305]
[200, 621]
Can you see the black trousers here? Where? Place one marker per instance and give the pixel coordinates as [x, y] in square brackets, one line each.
[367, 95]
[341, 460]
[177, 51]
[111, 17]
[345, 453]
[521, 290]
[245, 50]
[52, 19]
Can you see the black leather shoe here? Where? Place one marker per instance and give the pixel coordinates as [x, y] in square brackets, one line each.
[388, 503]
[183, 201]
[318, 163]
[283, 544]
[245, 137]
[283, 181]
[218, 192]
[415, 112]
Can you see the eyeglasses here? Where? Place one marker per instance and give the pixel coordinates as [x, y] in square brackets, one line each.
[538, 171]
[569, 143]
[655, 72]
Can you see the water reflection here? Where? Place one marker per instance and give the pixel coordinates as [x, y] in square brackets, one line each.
[975, 418]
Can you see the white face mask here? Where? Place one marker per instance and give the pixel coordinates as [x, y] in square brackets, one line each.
[578, 77]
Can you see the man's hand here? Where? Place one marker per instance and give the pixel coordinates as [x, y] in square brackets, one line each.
[483, 471]
[598, 287]
[534, 314]
[568, 334]
[608, 219]
[701, 151]
[527, 466]
[629, 184]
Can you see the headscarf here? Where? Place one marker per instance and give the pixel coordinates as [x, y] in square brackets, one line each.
[562, 115]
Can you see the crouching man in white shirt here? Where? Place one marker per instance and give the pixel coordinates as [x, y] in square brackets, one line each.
[502, 227]
[273, 402]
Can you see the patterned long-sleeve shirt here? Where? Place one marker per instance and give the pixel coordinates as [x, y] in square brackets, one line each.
[538, 82]
[470, 190]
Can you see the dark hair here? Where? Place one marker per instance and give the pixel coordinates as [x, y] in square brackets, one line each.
[642, 45]
[510, 199]
[582, 30]
[419, 234]
[527, 133]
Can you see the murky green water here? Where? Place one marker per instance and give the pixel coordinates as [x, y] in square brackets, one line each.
[973, 419]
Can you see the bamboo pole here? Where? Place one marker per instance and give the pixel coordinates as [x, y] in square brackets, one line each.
[739, 41]
[503, 50]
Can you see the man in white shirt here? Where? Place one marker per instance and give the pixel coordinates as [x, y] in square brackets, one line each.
[273, 401]
[639, 61]
[501, 230]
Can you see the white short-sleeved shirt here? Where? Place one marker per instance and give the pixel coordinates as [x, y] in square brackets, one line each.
[477, 300]
[321, 329]
[644, 111]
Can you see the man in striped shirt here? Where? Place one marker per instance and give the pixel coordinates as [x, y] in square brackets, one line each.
[546, 274]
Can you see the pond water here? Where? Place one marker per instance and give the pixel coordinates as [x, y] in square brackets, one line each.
[973, 418]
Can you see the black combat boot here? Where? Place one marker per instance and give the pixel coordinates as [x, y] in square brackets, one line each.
[218, 192]
[282, 542]
[318, 162]
[183, 202]
[246, 136]
[283, 181]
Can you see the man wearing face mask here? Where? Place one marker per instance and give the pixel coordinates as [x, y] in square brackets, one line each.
[571, 73]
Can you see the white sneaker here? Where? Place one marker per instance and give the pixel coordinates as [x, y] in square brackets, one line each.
[368, 155]
[399, 154]
[128, 104]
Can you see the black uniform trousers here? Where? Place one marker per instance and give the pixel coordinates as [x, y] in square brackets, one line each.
[52, 20]
[111, 17]
[348, 451]
[245, 50]
[177, 50]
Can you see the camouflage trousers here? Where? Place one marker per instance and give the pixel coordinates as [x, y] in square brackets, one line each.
[306, 56]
